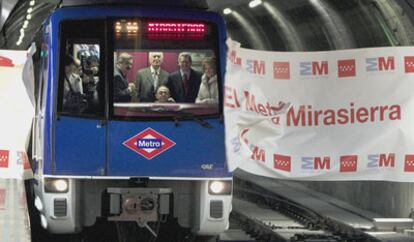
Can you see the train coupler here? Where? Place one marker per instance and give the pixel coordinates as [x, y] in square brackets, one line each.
[142, 205]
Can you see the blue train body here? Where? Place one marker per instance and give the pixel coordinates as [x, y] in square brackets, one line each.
[148, 161]
[100, 152]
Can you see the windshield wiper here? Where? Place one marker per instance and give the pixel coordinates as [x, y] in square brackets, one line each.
[182, 114]
[199, 120]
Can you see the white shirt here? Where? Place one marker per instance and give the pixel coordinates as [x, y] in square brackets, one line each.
[208, 92]
[75, 83]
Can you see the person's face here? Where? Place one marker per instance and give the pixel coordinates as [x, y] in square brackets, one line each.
[209, 70]
[68, 69]
[162, 94]
[184, 63]
[95, 67]
[156, 60]
[126, 65]
[72, 68]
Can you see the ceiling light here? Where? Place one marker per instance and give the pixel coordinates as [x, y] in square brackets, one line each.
[227, 11]
[255, 3]
[26, 22]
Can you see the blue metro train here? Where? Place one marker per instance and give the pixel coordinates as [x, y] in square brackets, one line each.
[102, 150]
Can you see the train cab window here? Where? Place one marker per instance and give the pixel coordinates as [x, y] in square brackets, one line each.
[81, 84]
[164, 68]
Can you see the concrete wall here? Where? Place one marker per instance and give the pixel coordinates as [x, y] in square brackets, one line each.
[390, 199]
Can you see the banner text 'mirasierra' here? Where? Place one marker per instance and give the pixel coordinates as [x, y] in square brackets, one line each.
[306, 116]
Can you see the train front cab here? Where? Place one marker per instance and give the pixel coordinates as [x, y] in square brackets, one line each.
[127, 160]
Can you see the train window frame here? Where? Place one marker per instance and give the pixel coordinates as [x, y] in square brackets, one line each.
[94, 36]
[111, 50]
[40, 68]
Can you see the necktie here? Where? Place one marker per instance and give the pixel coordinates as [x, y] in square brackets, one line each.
[155, 80]
[185, 83]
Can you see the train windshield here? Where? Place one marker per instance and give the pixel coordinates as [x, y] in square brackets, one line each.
[164, 68]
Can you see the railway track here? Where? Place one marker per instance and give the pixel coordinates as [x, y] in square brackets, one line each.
[271, 210]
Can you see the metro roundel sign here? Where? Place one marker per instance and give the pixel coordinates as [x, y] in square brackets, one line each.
[149, 143]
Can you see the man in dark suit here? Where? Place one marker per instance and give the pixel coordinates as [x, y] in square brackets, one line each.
[184, 83]
[123, 91]
[150, 78]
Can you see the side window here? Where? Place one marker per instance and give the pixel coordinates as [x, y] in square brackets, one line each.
[80, 76]
[81, 86]
[44, 62]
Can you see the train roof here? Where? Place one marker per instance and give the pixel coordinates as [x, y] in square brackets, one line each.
[197, 4]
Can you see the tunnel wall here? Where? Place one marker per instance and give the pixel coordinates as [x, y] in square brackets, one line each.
[389, 199]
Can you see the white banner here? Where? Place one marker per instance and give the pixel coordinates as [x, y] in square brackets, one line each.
[333, 115]
[16, 116]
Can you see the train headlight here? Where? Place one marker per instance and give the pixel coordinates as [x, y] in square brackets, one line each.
[43, 221]
[56, 185]
[219, 187]
[38, 204]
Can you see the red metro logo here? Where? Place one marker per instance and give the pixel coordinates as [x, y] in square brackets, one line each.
[346, 68]
[409, 64]
[409, 163]
[281, 70]
[348, 163]
[282, 162]
[4, 158]
[149, 143]
[4, 61]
